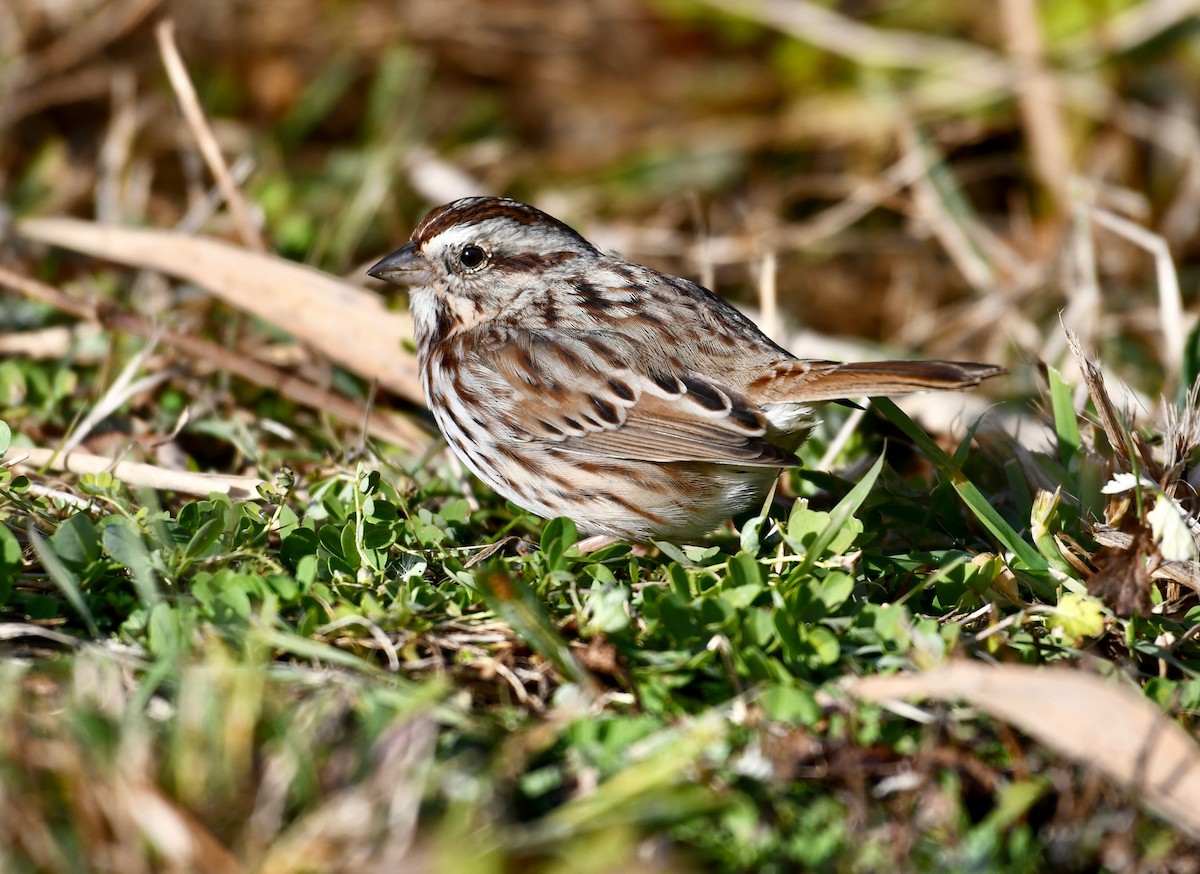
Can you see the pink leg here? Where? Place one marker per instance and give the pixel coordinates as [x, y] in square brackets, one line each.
[599, 541]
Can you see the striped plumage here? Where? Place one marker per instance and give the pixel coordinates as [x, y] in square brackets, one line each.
[578, 384]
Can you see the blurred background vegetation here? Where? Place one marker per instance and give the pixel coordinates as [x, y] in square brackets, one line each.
[939, 178]
[699, 136]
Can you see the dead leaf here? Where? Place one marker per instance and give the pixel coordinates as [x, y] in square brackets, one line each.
[344, 323]
[1095, 721]
[1185, 573]
[1122, 579]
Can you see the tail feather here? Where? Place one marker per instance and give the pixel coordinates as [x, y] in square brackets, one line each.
[832, 380]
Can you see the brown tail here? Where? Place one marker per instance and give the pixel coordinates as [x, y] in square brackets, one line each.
[832, 380]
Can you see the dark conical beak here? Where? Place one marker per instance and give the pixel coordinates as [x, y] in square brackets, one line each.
[405, 266]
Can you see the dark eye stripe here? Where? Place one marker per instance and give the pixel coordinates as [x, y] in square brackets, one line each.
[529, 261]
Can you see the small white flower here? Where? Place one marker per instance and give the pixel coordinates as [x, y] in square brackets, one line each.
[1125, 482]
[1174, 536]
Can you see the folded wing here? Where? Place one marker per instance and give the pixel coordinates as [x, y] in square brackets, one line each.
[577, 393]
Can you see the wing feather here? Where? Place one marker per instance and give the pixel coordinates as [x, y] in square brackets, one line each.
[811, 381]
[566, 391]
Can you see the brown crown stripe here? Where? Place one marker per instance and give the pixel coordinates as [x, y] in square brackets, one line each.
[473, 210]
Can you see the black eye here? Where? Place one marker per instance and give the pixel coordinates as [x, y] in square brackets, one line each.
[471, 256]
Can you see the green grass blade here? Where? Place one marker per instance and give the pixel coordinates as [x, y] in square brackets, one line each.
[838, 517]
[1191, 366]
[1031, 561]
[1066, 422]
[619, 799]
[318, 651]
[66, 581]
[512, 600]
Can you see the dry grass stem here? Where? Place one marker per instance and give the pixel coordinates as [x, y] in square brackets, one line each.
[346, 324]
[117, 395]
[377, 634]
[189, 103]
[838, 443]
[381, 424]
[768, 295]
[137, 474]
[1174, 325]
[1037, 94]
[1132, 27]
[436, 179]
[1084, 304]
[951, 230]
[51, 343]
[871, 46]
[117, 149]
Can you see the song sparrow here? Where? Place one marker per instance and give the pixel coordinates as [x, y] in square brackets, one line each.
[578, 384]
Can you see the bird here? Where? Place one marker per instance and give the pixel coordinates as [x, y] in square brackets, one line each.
[575, 383]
